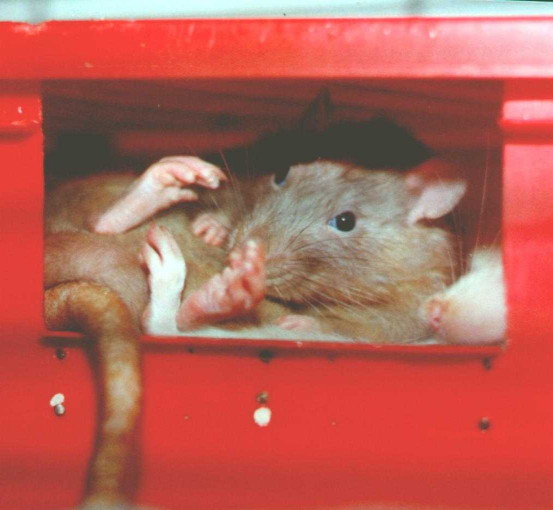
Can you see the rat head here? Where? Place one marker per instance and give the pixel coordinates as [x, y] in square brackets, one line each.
[337, 233]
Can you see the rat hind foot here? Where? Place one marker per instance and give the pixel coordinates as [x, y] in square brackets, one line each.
[233, 293]
[163, 258]
[162, 185]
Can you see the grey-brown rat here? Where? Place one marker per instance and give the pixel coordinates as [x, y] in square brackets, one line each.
[349, 247]
[340, 247]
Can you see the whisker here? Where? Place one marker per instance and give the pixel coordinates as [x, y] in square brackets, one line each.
[293, 239]
[484, 187]
[234, 184]
[320, 284]
[324, 241]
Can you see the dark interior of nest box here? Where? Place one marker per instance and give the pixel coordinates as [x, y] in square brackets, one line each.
[93, 126]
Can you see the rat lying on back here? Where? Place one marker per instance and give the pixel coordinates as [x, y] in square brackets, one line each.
[345, 248]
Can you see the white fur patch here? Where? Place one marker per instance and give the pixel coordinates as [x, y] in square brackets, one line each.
[474, 307]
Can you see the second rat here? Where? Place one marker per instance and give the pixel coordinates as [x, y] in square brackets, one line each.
[347, 249]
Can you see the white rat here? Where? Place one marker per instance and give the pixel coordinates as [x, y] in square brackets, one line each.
[473, 309]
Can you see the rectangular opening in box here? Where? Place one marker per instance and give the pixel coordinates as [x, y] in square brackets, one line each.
[94, 127]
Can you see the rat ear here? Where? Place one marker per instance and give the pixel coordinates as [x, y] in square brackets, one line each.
[318, 115]
[436, 188]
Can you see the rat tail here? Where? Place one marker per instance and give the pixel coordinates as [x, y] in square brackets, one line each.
[105, 319]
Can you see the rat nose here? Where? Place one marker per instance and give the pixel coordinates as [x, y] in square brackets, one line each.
[248, 231]
[248, 243]
[435, 310]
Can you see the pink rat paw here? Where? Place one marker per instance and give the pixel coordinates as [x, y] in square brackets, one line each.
[167, 276]
[233, 293]
[210, 229]
[162, 185]
[295, 322]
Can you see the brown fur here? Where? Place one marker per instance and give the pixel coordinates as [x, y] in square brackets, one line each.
[76, 261]
[109, 314]
[78, 305]
[74, 252]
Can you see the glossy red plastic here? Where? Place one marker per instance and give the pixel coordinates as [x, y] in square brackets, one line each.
[352, 426]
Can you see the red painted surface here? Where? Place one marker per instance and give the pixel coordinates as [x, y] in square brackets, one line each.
[325, 48]
[351, 426]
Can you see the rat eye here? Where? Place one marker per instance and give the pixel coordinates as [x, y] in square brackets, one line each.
[344, 221]
[279, 179]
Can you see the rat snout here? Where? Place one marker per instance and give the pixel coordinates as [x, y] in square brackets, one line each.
[242, 234]
[275, 280]
[247, 264]
[247, 244]
[433, 312]
[271, 261]
[279, 269]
